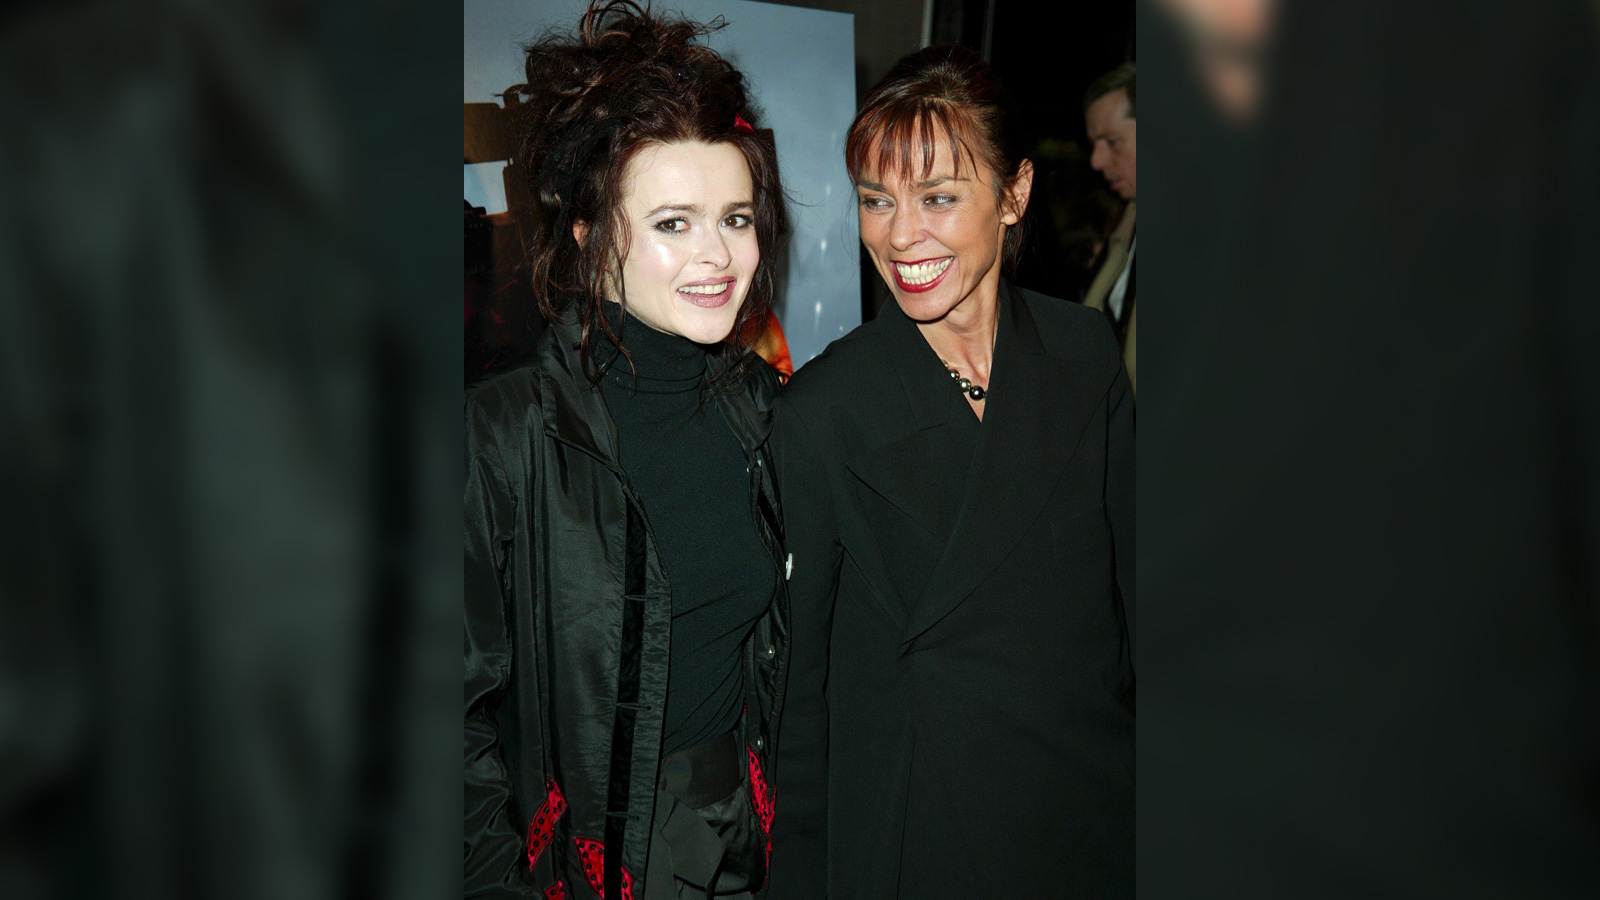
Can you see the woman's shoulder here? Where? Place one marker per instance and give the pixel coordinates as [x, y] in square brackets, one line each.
[520, 382]
[1069, 328]
[751, 374]
[842, 367]
[762, 381]
[511, 388]
[498, 408]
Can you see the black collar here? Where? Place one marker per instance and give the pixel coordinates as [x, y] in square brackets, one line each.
[575, 412]
[923, 376]
[1041, 402]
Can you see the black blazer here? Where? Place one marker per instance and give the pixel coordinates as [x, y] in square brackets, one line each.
[976, 739]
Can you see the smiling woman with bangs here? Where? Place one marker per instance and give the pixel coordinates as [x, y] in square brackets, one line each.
[958, 485]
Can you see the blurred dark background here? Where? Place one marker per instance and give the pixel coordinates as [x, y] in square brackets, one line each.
[229, 396]
[1369, 473]
[1047, 59]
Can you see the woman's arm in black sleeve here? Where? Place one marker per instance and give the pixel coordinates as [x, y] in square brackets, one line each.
[495, 856]
[800, 826]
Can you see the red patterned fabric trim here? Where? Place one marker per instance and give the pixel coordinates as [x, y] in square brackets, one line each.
[760, 794]
[557, 891]
[543, 826]
[592, 855]
[762, 799]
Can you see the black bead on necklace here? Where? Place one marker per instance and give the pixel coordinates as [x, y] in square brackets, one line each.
[964, 385]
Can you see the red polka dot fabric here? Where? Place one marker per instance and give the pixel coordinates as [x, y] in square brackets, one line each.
[557, 891]
[543, 826]
[591, 854]
[761, 798]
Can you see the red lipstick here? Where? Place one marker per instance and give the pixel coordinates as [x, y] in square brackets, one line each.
[921, 288]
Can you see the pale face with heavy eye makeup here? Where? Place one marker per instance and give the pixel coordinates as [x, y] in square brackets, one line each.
[937, 240]
[693, 248]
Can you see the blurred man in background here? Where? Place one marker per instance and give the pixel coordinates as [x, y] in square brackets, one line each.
[1108, 113]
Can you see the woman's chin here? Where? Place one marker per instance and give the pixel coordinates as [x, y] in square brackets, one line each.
[930, 307]
[707, 329]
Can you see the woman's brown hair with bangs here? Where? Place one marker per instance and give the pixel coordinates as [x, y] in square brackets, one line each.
[939, 94]
[626, 79]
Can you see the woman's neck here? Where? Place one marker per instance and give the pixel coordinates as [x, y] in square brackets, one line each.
[654, 354]
[964, 337]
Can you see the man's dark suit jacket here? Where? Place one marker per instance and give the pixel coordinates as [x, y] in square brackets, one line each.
[971, 736]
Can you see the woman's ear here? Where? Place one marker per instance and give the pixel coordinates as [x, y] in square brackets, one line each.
[580, 230]
[1017, 194]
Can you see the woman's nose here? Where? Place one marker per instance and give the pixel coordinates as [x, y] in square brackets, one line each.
[714, 248]
[905, 229]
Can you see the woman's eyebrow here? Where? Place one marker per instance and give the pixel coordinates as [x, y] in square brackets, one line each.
[696, 209]
[919, 186]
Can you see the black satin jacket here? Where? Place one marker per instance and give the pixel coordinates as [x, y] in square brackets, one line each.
[568, 622]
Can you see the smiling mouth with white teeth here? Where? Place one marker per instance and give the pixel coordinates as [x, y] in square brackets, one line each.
[709, 294]
[921, 275]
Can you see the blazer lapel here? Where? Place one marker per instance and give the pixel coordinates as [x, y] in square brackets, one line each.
[1038, 408]
[891, 472]
[890, 468]
[914, 414]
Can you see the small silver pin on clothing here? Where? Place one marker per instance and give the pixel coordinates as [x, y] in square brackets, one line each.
[788, 567]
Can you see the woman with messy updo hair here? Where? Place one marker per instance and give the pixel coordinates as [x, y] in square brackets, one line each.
[586, 110]
[625, 602]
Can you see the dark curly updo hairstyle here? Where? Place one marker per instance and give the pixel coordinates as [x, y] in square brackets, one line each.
[938, 94]
[626, 79]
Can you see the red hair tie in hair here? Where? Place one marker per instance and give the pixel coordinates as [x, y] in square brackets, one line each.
[740, 123]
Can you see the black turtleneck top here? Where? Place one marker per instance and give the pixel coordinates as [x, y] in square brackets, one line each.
[690, 472]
